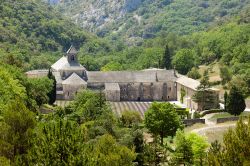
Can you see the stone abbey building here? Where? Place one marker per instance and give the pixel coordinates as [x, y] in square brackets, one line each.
[146, 85]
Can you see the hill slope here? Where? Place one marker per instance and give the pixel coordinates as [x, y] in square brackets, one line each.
[33, 34]
[137, 19]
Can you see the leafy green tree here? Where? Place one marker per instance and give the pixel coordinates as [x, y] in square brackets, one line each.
[39, 89]
[225, 75]
[235, 103]
[184, 60]
[199, 148]
[194, 73]
[106, 151]
[183, 153]
[88, 105]
[15, 131]
[59, 142]
[130, 117]
[166, 59]
[162, 119]
[112, 66]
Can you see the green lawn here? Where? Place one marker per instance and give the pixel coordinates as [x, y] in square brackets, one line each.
[226, 115]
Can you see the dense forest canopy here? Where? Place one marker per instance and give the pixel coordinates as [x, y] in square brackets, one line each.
[33, 35]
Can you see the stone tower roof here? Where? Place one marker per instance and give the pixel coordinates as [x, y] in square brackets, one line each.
[72, 50]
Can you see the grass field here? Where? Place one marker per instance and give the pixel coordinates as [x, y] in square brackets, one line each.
[226, 115]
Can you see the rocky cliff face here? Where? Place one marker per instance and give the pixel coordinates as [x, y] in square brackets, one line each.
[135, 20]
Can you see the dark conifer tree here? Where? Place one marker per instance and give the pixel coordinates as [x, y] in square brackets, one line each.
[52, 93]
[166, 59]
[225, 100]
[235, 104]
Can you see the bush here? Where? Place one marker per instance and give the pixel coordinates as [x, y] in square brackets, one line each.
[130, 117]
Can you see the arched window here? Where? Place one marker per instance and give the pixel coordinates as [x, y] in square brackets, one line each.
[73, 58]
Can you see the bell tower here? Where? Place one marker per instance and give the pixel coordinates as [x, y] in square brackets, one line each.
[72, 55]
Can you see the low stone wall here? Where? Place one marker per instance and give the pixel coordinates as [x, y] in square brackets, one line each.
[223, 120]
[190, 122]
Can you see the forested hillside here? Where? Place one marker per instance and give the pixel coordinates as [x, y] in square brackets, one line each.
[33, 35]
[134, 20]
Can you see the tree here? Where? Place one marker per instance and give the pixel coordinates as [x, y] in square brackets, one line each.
[130, 117]
[59, 142]
[15, 131]
[183, 153]
[88, 105]
[166, 59]
[162, 119]
[203, 96]
[235, 103]
[184, 60]
[194, 73]
[199, 147]
[52, 93]
[235, 150]
[225, 100]
[106, 151]
[225, 75]
[183, 94]
[39, 89]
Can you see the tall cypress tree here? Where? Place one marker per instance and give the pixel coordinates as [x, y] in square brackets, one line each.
[52, 93]
[166, 59]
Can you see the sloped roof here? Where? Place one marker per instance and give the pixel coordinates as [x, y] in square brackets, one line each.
[72, 50]
[131, 76]
[74, 79]
[188, 82]
[63, 64]
[63, 61]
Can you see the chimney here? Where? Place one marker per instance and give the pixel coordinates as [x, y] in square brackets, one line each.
[175, 72]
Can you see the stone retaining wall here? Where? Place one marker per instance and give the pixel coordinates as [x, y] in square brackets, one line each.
[190, 122]
[223, 120]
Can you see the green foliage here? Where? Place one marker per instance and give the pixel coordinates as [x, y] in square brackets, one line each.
[189, 149]
[112, 66]
[183, 94]
[184, 60]
[52, 92]
[39, 88]
[225, 75]
[15, 131]
[235, 150]
[88, 106]
[194, 73]
[162, 119]
[235, 103]
[166, 59]
[199, 147]
[202, 89]
[58, 143]
[147, 19]
[107, 152]
[183, 153]
[130, 118]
